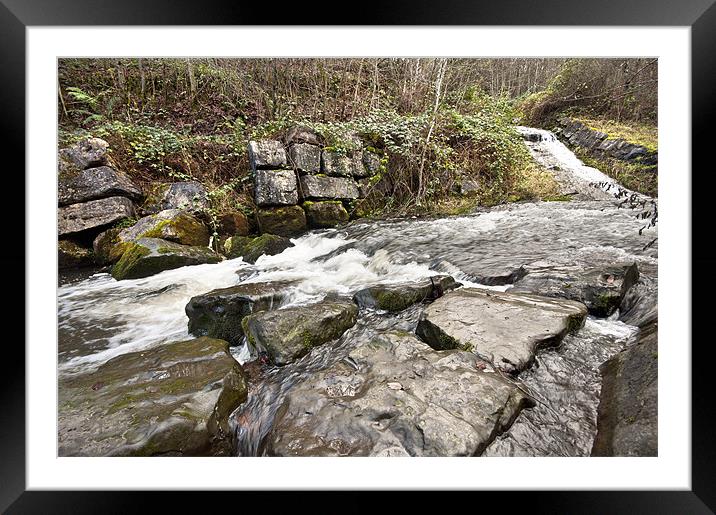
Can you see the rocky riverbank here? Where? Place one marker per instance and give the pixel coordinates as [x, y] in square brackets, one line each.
[463, 336]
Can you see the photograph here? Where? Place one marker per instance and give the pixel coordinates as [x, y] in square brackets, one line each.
[357, 256]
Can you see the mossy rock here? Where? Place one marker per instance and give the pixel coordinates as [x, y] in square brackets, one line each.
[286, 221]
[328, 213]
[250, 249]
[174, 399]
[171, 225]
[394, 298]
[72, 255]
[288, 334]
[149, 256]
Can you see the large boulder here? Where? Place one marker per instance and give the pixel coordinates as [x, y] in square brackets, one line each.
[190, 196]
[627, 421]
[72, 255]
[149, 256]
[397, 297]
[105, 247]
[327, 213]
[395, 396]
[288, 334]
[95, 183]
[285, 221]
[172, 225]
[219, 313]
[93, 214]
[172, 400]
[275, 188]
[318, 187]
[87, 153]
[504, 328]
[267, 154]
[600, 289]
[305, 158]
[250, 249]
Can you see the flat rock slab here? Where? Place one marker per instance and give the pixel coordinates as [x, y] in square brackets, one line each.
[172, 400]
[288, 334]
[395, 396]
[95, 183]
[275, 188]
[627, 421]
[93, 214]
[219, 313]
[317, 187]
[149, 256]
[505, 329]
[267, 154]
[397, 297]
[600, 289]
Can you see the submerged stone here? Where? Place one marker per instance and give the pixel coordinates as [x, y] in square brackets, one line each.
[397, 297]
[219, 313]
[95, 183]
[171, 400]
[250, 249]
[328, 213]
[395, 396]
[285, 221]
[503, 328]
[149, 256]
[94, 214]
[288, 334]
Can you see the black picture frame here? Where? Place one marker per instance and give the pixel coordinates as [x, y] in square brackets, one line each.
[699, 15]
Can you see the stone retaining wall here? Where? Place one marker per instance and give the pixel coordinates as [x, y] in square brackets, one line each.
[301, 184]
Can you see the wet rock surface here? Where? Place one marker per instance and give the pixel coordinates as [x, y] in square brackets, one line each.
[395, 396]
[397, 297]
[149, 256]
[628, 409]
[288, 334]
[95, 183]
[93, 215]
[600, 289]
[219, 313]
[173, 400]
[505, 329]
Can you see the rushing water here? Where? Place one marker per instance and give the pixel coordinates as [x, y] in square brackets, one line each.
[100, 318]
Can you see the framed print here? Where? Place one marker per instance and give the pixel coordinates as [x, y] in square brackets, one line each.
[415, 253]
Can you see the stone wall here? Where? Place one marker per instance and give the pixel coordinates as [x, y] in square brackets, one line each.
[301, 184]
[599, 143]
